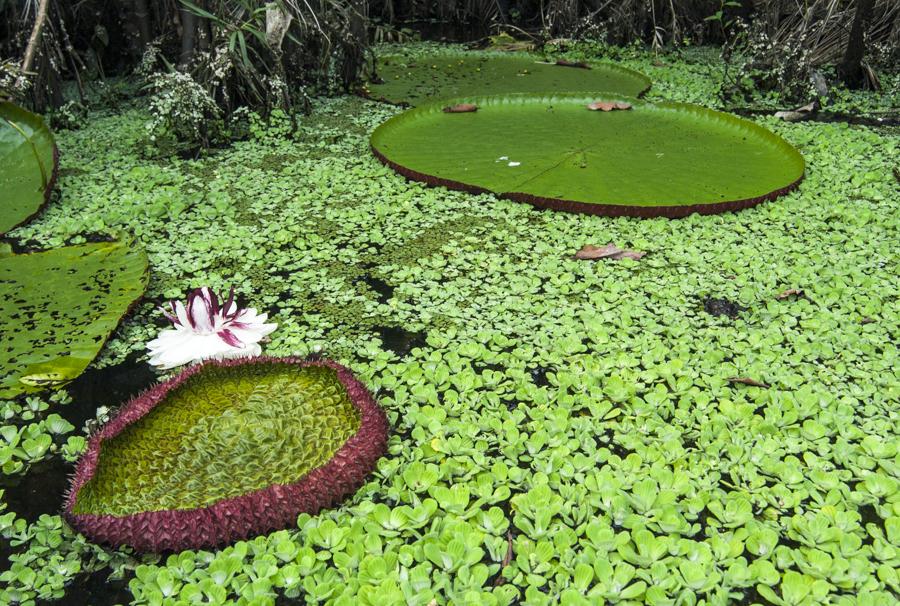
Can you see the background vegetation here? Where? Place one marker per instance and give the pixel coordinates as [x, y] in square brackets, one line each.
[219, 55]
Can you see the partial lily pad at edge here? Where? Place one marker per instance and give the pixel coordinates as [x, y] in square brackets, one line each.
[58, 308]
[656, 159]
[418, 80]
[225, 450]
[29, 162]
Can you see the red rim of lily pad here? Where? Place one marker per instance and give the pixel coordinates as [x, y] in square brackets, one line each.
[274, 507]
[606, 210]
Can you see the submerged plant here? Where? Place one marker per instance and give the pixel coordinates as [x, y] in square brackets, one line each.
[225, 450]
[203, 329]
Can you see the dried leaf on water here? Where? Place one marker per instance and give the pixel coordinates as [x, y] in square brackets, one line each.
[590, 252]
[791, 292]
[507, 559]
[749, 381]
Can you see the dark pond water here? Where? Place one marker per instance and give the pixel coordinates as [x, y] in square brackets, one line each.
[111, 387]
[38, 492]
[94, 589]
[400, 341]
[722, 307]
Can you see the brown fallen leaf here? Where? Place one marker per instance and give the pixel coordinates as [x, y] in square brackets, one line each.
[590, 252]
[507, 559]
[800, 113]
[748, 381]
[461, 108]
[608, 106]
[791, 292]
[578, 64]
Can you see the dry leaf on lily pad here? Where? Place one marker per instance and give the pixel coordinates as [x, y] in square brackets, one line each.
[608, 106]
[610, 251]
[748, 381]
[461, 108]
[791, 292]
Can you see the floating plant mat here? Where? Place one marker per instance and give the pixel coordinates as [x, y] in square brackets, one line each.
[58, 307]
[655, 159]
[27, 165]
[226, 450]
[418, 80]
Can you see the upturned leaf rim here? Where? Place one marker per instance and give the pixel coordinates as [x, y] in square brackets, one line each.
[36, 119]
[227, 520]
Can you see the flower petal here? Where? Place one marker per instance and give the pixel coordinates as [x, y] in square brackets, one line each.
[230, 338]
[182, 314]
[200, 310]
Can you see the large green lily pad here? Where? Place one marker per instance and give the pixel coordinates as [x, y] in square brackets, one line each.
[656, 159]
[417, 80]
[27, 165]
[58, 307]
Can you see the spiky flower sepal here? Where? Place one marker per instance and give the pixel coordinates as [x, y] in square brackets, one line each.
[274, 507]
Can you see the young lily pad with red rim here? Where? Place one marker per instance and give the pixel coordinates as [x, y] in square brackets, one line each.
[28, 165]
[226, 450]
[656, 159]
[418, 80]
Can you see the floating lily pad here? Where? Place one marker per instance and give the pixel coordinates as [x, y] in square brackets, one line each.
[417, 80]
[58, 307]
[655, 159]
[226, 450]
[28, 164]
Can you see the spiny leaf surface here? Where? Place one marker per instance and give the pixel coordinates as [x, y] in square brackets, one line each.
[225, 432]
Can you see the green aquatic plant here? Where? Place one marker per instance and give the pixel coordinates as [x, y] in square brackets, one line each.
[534, 369]
[414, 80]
[60, 306]
[647, 159]
[225, 450]
[28, 165]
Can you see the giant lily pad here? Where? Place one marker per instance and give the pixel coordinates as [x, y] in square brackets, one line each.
[226, 450]
[28, 163]
[58, 307]
[416, 80]
[655, 159]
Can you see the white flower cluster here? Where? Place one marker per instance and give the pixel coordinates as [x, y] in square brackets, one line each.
[180, 106]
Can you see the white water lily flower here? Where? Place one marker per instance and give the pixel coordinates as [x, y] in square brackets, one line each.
[202, 330]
